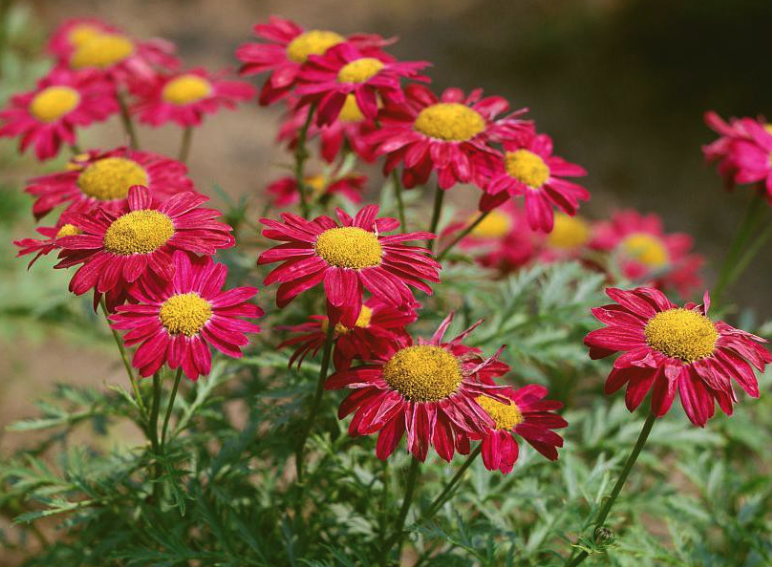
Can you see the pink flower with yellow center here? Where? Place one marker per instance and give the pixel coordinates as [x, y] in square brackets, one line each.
[322, 188]
[74, 32]
[43, 247]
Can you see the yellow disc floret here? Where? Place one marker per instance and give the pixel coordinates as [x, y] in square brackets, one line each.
[569, 232]
[313, 42]
[682, 333]
[317, 183]
[647, 249]
[68, 230]
[360, 70]
[80, 34]
[350, 111]
[449, 121]
[349, 247]
[110, 178]
[423, 373]
[102, 51]
[505, 416]
[185, 313]
[495, 225]
[138, 232]
[363, 321]
[186, 89]
[527, 167]
[54, 102]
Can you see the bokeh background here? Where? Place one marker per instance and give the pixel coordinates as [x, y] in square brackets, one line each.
[620, 84]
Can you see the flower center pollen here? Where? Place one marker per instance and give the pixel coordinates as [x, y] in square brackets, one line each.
[110, 178]
[496, 225]
[185, 313]
[423, 373]
[449, 121]
[349, 247]
[313, 42]
[505, 416]
[360, 70]
[363, 321]
[102, 51]
[54, 102]
[647, 249]
[186, 89]
[138, 232]
[82, 33]
[682, 333]
[68, 230]
[527, 167]
[569, 233]
[350, 111]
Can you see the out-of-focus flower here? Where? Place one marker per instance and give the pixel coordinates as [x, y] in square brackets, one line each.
[569, 239]
[285, 190]
[74, 32]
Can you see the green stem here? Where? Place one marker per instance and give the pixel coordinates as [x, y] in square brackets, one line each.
[385, 503]
[398, 194]
[154, 410]
[170, 406]
[75, 149]
[748, 256]
[187, 138]
[439, 197]
[450, 487]
[397, 537]
[609, 503]
[128, 125]
[5, 11]
[301, 155]
[463, 234]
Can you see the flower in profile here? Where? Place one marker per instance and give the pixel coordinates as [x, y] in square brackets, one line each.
[287, 47]
[46, 117]
[74, 32]
[328, 80]
[44, 246]
[449, 135]
[378, 326]
[529, 168]
[118, 248]
[347, 257]
[527, 415]
[184, 98]
[669, 349]
[285, 190]
[427, 389]
[103, 179]
[642, 252]
[176, 321]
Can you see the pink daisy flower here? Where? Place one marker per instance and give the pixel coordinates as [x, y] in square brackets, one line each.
[74, 32]
[427, 390]
[724, 151]
[176, 321]
[285, 190]
[46, 117]
[43, 247]
[102, 179]
[347, 257]
[184, 98]
[670, 349]
[749, 158]
[528, 168]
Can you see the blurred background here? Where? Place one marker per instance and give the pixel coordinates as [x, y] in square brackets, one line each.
[621, 85]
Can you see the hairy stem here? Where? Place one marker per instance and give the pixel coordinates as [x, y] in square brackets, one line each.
[463, 234]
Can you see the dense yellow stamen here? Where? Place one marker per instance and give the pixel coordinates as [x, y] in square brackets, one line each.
[54, 102]
[363, 321]
[186, 314]
[682, 333]
[569, 232]
[110, 178]
[186, 89]
[496, 225]
[102, 51]
[80, 34]
[505, 416]
[349, 247]
[527, 167]
[647, 249]
[350, 111]
[313, 42]
[423, 373]
[68, 230]
[449, 121]
[138, 232]
[360, 70]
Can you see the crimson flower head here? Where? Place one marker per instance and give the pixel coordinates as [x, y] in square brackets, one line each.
[46, 117]
[449, 135]
[44, 246]
[185, 98]
[669, 349]
[74, 32]
[427, 389]
[322, 187]
[347, 256]
[176, 321]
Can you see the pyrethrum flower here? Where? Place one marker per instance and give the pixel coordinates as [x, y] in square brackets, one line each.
[347, 257]
[670, 349]
[102, 179]
[184, 98]
[43, 247]
[176, 321]
[428, 390]
[285, 190]
[46, 117]
[74, 32]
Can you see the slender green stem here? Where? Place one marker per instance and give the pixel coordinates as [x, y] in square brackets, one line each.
[447, 492]
[153, 429]
[170, 406]
[128, 124]
[750, 253]
[75, 149]
[398, 535]
[386, 480]
[187, 138]
[439, 197]
[397, 183]
[5, 11]
[301, 155]
[316, 402]
[609, 503]
[461, 235]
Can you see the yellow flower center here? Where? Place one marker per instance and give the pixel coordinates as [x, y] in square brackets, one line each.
[423, 373]
[110, 178]
[102, 51]
[768, 127]
[54, 102]
[360, 70]
[350, 111]
[317, 183]
[505, 416]
[496, 225]
[363, 321]
[186, 89]
[138, 232]
[569, 232]
[349, 247]
[682, 333]
[80, 34]
[449, 121]
[185, 313]
[68, 230]
[527, 167]
[313, 42]
[647, 249]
